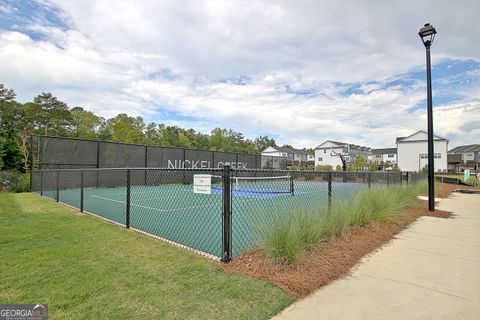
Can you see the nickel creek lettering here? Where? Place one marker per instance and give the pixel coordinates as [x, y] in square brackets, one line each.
[204, 164]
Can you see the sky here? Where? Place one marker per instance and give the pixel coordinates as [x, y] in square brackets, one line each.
[301, 72]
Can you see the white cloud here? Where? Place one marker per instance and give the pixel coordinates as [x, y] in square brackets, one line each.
[137, 57]
[4, 8]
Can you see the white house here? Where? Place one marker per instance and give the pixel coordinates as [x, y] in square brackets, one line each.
[328, 153]
[294, 156]
[463, 157]
[300, 156]
[412, 152]
[277, 152]
[384, 156]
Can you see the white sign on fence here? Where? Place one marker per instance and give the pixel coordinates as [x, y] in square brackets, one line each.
[202, 183]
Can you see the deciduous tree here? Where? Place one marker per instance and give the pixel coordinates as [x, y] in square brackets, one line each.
[263, 142]
[85, 124]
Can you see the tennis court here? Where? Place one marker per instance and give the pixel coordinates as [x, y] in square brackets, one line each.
[151, 189]
[174, 212]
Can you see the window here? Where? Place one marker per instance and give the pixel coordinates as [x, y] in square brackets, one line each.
[435, 156]
[284, 154]
[320, 159]
[325, 151]
[391, 155]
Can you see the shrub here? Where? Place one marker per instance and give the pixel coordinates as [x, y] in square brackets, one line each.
[24, 182]
[350, 176]
[309, 176]
[324, 168]
[12, 181]
[396, 169]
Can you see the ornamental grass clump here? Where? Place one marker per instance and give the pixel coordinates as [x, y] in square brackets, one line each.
[289, 236]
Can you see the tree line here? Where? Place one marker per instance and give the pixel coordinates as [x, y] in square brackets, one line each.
[47, 115]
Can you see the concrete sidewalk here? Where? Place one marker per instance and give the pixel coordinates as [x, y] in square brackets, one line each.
[430, 271]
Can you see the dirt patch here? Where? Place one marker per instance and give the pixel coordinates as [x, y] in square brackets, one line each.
[335, 259]
[445, 189]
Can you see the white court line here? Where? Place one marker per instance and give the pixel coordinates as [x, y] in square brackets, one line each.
[134, 190]
[155, 209]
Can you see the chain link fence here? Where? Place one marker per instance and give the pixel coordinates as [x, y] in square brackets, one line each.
[221, 221]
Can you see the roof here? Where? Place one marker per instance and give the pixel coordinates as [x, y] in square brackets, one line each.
[337, 142]
[344, 144]
[300, 151]
[290, 150]
[466, 148]
[384, 151]
[435, 137]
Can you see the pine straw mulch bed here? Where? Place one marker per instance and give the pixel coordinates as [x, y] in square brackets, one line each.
[335, 259]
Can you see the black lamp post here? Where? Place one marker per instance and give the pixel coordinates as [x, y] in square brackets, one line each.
[427, 33]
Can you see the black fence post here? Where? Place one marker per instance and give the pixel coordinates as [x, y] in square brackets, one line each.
[227, 215]
[146, 166]
[41, 183]
[82, 187]
[388, 180]
[127, 216]
[30, 158]
[329, 191]
[58, 186]
[97, 172]
[369, 180]
[401, 178]
[292, 185]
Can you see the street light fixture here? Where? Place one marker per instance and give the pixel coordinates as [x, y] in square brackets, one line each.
[427, 34]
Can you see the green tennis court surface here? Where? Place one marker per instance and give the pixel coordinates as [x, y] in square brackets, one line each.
[174, 212]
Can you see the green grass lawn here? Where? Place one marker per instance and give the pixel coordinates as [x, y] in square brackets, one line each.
[86, 268]
[459, 176]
